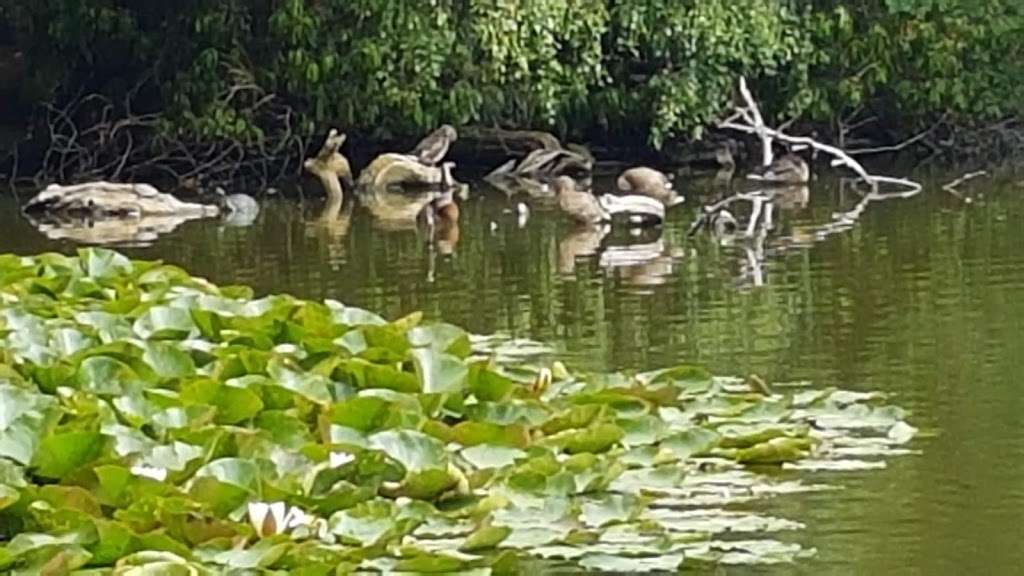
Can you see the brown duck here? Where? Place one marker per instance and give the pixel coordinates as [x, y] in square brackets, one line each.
[584, 207]
[432, 149]
[649, 182]
[786, 169]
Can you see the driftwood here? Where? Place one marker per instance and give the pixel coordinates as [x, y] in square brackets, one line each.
[394, 169]
[481, 140]
[330, 167]
[753, 123]
[110, 214]
[107, 200]
[546, 163]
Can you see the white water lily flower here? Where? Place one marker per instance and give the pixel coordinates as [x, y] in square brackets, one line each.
[273, 518]
[267, 519]
[340, 459]
[158, 474]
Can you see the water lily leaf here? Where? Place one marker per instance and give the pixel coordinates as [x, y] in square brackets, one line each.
[844, 465]
[692, 442]
[473, 433]
[364, 413]
[439, 372]
[174, 457]
[105, 375]
[67, 342]
[365, 524]
[485, 537]
[613, 508]
[101, 263]
[159, 563]
[647, 479]
[596, 438]
[8, 496]
[775, 451]
[430, 564]
[24, 418]
[168, 361]
[901, 433]
[164, 323]
[683, 373]
[262, 554]
[485, 456]
[641, 430]
[427, 484]
[352, 316]
[313, 387]
[114, 541]
[575, 417]
[60, 454]
[234, 404]
[489, 386]
[234, 471]
[632, 564]
[413, 450]
[529, 413]
[441, 337]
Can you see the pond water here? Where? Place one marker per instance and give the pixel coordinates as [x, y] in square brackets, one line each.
[923, 298]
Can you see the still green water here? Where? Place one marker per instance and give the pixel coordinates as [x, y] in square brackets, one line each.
[922, 298]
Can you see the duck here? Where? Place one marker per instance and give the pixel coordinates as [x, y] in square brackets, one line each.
[585, 208]
[442, 209]
[581, 206]
[786, 169]
[241, 203]
[432, 149]
[649, 182]
[240, 209]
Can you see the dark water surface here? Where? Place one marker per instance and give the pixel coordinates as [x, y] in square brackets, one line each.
[923, 299]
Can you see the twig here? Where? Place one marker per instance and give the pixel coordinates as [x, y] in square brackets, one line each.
[901, 145]
[951, 187]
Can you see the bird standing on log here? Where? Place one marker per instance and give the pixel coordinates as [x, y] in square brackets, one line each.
[432, 149]
[649, 182]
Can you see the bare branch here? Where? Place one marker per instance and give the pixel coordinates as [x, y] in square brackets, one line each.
[755, 125]
[951, 187]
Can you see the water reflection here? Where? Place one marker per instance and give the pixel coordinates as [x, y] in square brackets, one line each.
[920, 297]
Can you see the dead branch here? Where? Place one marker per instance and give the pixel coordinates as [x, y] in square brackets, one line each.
[899, 146]
[754, 124]
[951, 187]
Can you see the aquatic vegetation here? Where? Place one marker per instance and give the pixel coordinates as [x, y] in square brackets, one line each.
[156, 423]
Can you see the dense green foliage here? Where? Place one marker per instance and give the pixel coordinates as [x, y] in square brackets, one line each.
[646, 69]
[148, 419]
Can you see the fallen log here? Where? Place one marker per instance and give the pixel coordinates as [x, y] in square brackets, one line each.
[108, 200]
